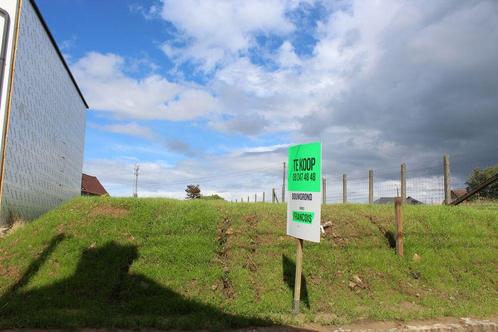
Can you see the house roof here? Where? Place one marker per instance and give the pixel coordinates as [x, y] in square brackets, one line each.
[57, 50]
[388, 200]
[384, 200]
[91, 185]
[459, 192]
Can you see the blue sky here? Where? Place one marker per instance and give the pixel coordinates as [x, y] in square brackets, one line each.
[212, 92]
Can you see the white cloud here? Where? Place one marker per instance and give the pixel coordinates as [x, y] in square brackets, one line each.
[240, 172]
[148, 13]
[132, 129]
[261, 149]
[108, 88]
[215, 30]
[414, 77]
[372, 60]
[387, 81]
[276, 99]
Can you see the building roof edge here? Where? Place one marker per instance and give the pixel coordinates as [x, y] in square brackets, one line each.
[57, 50]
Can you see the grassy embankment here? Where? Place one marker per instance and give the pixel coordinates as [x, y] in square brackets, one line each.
[207, 264]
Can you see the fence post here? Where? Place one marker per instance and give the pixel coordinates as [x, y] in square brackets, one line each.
[283, 185]
[398, 212]
[273, 195]
[247, 199]
[255, 198]
[370, 186]
[263, 197]
[344, 189]
[403, 182]
[324, 191]
[447, 180]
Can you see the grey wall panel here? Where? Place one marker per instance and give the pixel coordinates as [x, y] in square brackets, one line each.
[44, 151]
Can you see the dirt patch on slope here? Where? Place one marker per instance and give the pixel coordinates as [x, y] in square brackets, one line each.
[224, 232]
[108, 211]
[383, 229]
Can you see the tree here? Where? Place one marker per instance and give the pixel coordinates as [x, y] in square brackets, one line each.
[193, 191]
[478, 176]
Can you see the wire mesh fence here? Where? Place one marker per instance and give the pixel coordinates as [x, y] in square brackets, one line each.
[424, 183]
[423, 189]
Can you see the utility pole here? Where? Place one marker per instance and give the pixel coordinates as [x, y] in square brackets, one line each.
[283, 185]
[135, 193]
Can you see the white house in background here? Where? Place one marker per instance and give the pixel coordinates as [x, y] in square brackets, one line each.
[42, 117]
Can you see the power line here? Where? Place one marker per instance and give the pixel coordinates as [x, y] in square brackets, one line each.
[211, 177]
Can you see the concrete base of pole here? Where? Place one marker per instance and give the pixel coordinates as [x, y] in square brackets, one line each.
[295, 307]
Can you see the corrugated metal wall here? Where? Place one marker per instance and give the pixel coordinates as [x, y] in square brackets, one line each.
[44, 151]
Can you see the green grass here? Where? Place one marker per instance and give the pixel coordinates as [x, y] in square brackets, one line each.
[131, 263]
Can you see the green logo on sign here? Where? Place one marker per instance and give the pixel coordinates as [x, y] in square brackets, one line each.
[303, 217]
[305, 167]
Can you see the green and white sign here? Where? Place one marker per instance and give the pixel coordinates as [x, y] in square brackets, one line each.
[304, 195]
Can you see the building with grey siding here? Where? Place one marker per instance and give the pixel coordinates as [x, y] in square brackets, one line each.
[42, 117]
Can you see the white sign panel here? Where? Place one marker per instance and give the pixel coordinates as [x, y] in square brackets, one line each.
[304, 195]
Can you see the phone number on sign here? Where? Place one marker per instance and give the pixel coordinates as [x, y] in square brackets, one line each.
[304, 176]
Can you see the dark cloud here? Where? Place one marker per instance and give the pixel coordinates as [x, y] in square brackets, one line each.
[434, 90]
[179, 146]
[247, 124]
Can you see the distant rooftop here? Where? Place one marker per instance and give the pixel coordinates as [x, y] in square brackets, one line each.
[457, 193]
[390, 200]
[90, 185]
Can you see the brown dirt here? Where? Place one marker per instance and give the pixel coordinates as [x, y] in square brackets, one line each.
[448, 324]
[108, 211]
[406, 306]
[224, 234]
[11, 272]
[267, 239]
[340, 233]
[411, 290]
[251, 219]
[256, 240]
[379, 222]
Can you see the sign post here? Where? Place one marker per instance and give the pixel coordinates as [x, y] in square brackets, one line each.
[304, 197]
[299, 272]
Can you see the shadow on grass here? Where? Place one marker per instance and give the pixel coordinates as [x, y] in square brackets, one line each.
[391, 239]
[289, 276]
[35, 265]
[104, 293]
